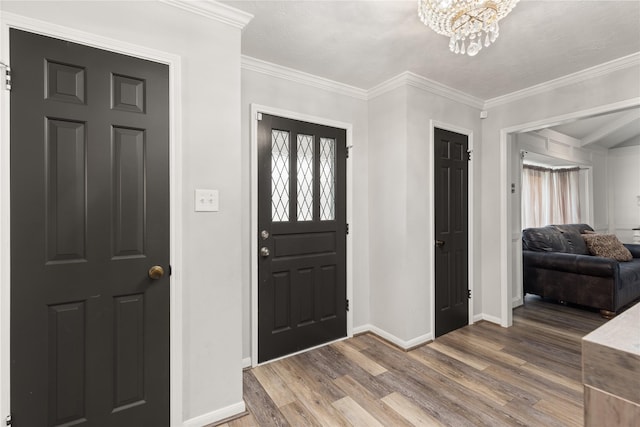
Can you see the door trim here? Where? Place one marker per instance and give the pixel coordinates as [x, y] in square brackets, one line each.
[8, 21]
[432, 215]
[507, 261]
[253, 247]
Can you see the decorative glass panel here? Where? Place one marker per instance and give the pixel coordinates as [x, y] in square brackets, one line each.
[305, 178]
[279, 175]
[327, 179]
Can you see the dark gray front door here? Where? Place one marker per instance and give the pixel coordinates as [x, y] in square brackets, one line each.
[451, 230]
[89, 218]
[301, 235]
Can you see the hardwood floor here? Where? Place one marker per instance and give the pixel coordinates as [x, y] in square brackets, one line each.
[480, 375]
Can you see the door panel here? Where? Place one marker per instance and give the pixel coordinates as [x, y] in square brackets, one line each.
[302, 208]
[451, 230]
[89, 217]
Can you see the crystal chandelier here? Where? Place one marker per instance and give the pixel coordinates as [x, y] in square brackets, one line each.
[468, 23]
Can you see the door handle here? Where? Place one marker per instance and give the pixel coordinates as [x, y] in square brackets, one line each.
[264, 252]
[156, 272]
[439, 243]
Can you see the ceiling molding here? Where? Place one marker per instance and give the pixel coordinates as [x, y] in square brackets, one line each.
[213, 10]
[275, 70]
[410, 79]
[596, 71]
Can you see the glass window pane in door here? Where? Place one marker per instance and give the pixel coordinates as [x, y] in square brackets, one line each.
[327, 179]
[279, 175]
[305, 178]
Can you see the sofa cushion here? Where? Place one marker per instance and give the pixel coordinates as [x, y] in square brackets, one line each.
[544, 239]
[576, 228]
[556, 238]
[608, 246]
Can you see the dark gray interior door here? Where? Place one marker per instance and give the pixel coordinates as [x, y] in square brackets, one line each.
[451, 230]
[89, 218]
[301, 235]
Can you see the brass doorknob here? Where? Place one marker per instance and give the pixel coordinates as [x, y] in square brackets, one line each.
[156, 272]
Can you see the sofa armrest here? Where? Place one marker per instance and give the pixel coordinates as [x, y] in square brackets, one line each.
[634, 249]
[579, 264]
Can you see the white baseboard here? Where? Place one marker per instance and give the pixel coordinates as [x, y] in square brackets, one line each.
[362, 329]
[487, 317]
[403, 344]
[246, 363]
[214, 416]
[517, 302]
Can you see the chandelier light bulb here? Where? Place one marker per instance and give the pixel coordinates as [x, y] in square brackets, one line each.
[466, 22]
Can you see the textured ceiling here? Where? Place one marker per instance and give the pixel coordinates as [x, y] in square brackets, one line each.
[364, 43]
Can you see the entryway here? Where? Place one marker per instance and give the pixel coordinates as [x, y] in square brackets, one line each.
[89, 236]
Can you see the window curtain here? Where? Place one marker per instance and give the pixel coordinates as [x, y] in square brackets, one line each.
[550, 196]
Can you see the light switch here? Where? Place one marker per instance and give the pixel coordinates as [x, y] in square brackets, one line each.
[207, 201]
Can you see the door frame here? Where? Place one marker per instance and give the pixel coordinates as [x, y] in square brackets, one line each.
[348, 127]
[8, 21]
[509, 262]
[432, 214]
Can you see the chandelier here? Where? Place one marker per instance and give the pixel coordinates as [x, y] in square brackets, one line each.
[470, 24]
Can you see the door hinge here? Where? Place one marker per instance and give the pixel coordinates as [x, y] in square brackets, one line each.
[349, 147]
[7, 75]
[259, 116]
[469, 154]
[469, 293]
[347, 228]
[8, 420]
[347, 305]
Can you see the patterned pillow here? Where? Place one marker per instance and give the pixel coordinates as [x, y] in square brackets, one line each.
[608, 246]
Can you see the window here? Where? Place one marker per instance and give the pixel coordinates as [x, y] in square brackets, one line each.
[550, 196]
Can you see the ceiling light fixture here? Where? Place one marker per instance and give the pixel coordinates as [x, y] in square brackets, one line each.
[468, 23]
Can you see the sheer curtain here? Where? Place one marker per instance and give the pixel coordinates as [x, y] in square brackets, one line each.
[550, 196]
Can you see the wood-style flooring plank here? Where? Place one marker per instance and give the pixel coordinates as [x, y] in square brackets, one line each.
[359, 358]
[410, 411]
[479, 375]
[275, 387]
[376, 407]
[355, 414]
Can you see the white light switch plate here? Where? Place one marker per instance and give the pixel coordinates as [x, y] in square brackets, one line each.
[207, 201]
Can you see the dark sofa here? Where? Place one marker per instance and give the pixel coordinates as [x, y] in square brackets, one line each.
[557, 265]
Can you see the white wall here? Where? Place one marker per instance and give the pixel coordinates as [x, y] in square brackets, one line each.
[276, 92]
[540, 108]
[388, 212]
[211, 154]
[624, 191]
[401, 222]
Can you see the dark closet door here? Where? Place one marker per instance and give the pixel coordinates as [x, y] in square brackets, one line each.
[302, 236]
[451, 160]
[89, 227]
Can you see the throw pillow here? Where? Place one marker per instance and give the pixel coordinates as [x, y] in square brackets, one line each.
[608, 246]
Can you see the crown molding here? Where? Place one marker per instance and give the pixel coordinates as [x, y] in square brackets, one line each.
[213, 10]
[410, 79]
[290, 74]
[577, 77]
[406, 78]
